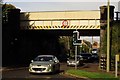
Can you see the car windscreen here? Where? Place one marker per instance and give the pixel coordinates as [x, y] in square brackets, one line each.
[43, 59]
[73, 58]
[94, 50]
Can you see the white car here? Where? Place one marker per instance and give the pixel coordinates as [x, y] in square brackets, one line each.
[94, 51]
[71, 62]
[44, 64]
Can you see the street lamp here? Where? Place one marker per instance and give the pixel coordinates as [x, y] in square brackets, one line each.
[108, 36]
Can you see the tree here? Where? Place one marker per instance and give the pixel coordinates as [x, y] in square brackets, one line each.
[7, 7]
[87, 43]
[115, 40]
[5, 10]
[86, 46]
[95, 45]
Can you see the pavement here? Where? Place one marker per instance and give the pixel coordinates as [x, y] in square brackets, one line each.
[77, 77]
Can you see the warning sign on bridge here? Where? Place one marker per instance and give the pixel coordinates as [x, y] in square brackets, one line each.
[65, 23]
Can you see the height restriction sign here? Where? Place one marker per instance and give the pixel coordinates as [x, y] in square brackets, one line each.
[65, 23]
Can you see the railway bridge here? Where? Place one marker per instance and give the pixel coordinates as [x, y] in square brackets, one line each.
[28, 34]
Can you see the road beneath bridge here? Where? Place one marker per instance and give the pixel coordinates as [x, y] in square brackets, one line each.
[30, 43]
[87, 32]
[23, 74]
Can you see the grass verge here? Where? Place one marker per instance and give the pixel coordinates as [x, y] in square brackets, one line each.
[93, 75]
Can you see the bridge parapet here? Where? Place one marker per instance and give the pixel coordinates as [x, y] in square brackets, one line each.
[61, 24]
[60, 20]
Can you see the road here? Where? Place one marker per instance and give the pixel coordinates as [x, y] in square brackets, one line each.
[24, 74]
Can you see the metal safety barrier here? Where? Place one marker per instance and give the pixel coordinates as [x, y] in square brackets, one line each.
[62, 27]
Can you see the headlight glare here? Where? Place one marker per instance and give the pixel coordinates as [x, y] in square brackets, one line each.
[31, 65]
[68, 62]
[50, 65]
[77, 61]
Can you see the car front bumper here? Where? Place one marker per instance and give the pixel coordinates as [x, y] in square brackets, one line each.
[72, 64]
[41, 69]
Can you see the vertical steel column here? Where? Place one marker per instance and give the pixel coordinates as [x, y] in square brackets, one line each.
[108, 36]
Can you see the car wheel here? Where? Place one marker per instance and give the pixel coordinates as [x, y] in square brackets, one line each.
[53, 70]
[58, 70]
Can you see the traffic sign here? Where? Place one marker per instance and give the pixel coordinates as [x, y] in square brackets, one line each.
[65, 23]
[76, 39]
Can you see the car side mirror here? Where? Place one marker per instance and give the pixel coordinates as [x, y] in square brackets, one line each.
[31, 60]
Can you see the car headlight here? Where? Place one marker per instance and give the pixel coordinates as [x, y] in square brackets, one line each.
[67, 61]
[31, 65]
[49, 65]
[77, 61]
[80, 56]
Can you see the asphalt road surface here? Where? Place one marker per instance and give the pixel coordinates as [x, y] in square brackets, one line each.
[24, 74]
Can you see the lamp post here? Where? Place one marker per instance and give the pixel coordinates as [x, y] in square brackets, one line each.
[108, 36]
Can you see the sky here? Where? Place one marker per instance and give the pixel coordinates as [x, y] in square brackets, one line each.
[62, 5]
[60, 0]
[59, 5]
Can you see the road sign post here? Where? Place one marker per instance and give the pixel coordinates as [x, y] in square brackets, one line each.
[76, 42]
[76, 56]
[108, 37]
[116, 64]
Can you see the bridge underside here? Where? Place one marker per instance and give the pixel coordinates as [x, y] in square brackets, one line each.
[86, 32]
